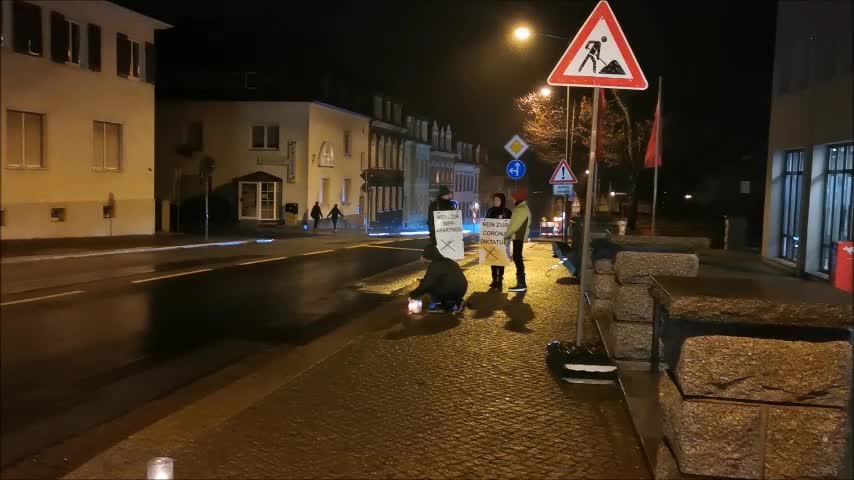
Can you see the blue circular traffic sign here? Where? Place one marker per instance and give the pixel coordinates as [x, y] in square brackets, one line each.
[516, 169]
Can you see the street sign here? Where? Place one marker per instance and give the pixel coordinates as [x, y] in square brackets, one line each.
[516, 169]
[599, 56]
[516, 146]
[562, 174]
[562, 189]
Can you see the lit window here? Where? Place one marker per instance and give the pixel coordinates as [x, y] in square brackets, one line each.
[326, 158]
[345, 192]
[348, 143]
[107, 146]
[24, 139]
[793, 174]
[838, 212]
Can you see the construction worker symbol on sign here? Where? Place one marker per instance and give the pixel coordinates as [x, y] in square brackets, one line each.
[594, 50]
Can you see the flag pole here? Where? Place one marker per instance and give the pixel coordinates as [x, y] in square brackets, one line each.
[588, 220]
[657, 155]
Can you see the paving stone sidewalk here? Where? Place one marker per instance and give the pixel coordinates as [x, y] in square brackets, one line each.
[449, 397]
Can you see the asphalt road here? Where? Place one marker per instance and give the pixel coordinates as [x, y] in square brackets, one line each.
[80, 355]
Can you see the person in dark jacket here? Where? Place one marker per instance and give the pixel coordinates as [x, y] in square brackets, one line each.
[334, 214]
[444, 282]
[498, 210]
[316, 214]
[442, 202]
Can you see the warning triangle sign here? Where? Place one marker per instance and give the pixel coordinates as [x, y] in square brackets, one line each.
[599, 56]
[563, 175]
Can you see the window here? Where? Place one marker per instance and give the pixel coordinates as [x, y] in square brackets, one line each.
[345, 192]
[27, 28]
[348, 143]
[250, 80]
[838, 212]
[265, 137]
[107, 146]
[326, 158]
[94, 34]
[127, 57]
[193, 136]
[792, 187]
[64, 39]
[325, 193]
[24, 139]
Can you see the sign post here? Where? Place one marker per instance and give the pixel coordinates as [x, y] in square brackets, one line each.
[562, 181]
[516, 147]
[600, 57]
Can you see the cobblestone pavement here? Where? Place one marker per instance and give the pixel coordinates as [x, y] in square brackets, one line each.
[447, 397]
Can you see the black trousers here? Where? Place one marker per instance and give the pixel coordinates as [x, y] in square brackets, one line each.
[315, 223]
[497, 271]
[517, 259]
[334, 223]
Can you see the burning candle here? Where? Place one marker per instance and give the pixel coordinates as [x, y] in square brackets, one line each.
[160, 468]
[414, 305]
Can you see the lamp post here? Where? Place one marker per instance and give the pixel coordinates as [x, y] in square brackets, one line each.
[522, 34]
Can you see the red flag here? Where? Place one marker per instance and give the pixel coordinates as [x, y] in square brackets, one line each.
[652, 158]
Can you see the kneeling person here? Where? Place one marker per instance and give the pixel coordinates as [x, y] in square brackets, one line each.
[444, 282]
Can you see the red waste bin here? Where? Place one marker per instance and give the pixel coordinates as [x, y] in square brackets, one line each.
[842, 275]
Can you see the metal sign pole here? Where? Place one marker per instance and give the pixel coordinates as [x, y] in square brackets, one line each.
[207, 213]
[588, 219]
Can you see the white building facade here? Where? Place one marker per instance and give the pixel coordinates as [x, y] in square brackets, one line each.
[273, 160]
[76, 120]
[808, 197]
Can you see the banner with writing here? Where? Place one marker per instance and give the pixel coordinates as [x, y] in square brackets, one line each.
[449, 233]
[493, 250]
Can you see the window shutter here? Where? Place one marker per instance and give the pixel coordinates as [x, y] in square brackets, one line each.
[150, 63]
[122, 55]
[58, 38]
[94, 48]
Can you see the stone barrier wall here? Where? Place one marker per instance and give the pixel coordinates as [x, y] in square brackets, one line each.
[623, 305]
[752, 408]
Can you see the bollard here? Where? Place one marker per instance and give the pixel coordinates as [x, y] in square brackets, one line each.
[160, 468]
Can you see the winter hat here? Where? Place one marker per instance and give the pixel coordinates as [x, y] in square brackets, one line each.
[520, 195]
[443, 190]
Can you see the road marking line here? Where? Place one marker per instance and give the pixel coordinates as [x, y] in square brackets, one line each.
[316, 253]
[263, 260]
[182, 274]
[392, 248]
[75, 292]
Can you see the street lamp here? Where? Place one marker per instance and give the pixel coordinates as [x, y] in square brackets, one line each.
[522, 33]
[546, 92]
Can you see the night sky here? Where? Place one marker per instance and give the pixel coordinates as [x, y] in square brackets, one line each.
[456, 61]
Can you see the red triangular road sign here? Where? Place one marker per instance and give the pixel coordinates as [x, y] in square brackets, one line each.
[563, 175]
[599, 56]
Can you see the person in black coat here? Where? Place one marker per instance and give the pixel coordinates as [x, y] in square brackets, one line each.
[444, 282]
[316, 214]
[334, 214]
[498, 210]
[442, 202]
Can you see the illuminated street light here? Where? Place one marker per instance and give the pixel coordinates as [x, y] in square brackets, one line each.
[546, 91]
[613, 194]
[688, 196]
[587, 172]
[522, 33]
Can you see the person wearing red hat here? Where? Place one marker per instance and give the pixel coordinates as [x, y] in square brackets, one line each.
[519, 231]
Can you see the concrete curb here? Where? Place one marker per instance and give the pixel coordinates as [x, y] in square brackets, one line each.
[123, 251]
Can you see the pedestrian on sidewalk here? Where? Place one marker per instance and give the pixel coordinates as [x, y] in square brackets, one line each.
[442, 202]
[334, 214]
[316, 214]
[519, 231]
[444, 282]
[498, 210]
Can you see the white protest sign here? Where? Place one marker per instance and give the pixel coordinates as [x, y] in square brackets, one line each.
[449, 233]
[493, 250]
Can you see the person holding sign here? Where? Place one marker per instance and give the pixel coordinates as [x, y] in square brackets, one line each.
[519, 231]
[444, 282]
[498, 210]
[443, 202]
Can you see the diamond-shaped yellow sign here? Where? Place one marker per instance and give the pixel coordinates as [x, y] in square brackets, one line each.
[516, 146]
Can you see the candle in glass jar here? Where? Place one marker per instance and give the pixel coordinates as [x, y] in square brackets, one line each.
[160, 468]
[414, 305]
